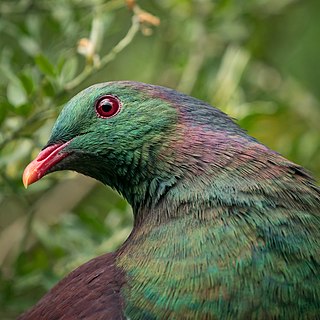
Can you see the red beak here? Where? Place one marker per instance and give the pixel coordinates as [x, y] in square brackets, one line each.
[46, 159]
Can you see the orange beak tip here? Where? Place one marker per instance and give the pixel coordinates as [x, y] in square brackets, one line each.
[29, 175]
[45, 160]
[25, 184]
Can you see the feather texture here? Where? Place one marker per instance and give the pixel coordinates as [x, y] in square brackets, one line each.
[225, 228]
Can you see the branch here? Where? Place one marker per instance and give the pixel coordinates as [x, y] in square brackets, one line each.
[89, 69]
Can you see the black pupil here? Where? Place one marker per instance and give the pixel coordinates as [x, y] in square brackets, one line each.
[106, 106]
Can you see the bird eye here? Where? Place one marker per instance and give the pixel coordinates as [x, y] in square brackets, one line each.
[108, 106]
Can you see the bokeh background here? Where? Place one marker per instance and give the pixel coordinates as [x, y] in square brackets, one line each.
[257, 60]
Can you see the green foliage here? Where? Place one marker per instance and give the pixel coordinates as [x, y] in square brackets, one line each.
[256, 60]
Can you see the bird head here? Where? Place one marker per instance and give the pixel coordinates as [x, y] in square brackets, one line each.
[111, 132]
[137, 138]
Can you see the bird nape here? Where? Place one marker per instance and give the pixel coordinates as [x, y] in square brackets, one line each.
[225, 228]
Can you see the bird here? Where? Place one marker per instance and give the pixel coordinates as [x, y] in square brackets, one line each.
[224, 227]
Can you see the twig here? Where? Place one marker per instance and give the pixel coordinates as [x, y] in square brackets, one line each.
[89, 69]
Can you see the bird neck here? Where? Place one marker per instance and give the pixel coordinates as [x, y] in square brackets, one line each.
[196, 170]
[236, 173]
[189, 166]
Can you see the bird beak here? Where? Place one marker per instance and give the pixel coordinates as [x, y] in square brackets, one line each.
[45, 160]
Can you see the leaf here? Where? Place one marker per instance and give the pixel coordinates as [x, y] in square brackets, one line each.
[29, 45]
[16, 94]
[69, 69]
[49, 89]
[24, 109]
[44, 65]
[27, 82]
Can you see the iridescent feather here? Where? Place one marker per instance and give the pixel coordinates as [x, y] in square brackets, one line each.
[225, 228]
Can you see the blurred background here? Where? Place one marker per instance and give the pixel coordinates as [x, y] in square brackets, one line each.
[257, 60]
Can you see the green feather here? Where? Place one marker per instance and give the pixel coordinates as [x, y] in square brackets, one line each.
[225, 228]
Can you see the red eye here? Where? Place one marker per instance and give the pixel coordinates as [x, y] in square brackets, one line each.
[108, 106]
